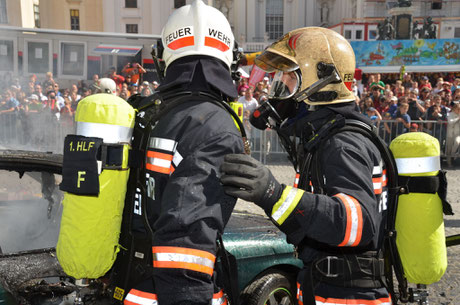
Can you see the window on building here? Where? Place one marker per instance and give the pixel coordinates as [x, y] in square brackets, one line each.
[457, 33]
[274, 19]
[38, 57]
[3, 13]
[179, 3]
[72, 57]
[131, 3]
[75, 20]
[37, 15]
[436, 5]
[392, 4]
[6, 55]
[347, 34]
[359, 34]
[132, 28]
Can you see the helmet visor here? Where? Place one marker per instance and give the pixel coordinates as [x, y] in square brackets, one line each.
[284, 85]
[270, 62]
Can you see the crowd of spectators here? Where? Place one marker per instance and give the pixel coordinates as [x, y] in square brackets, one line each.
[37, 111]
[417, 102]
[413, 103]
[47, 96]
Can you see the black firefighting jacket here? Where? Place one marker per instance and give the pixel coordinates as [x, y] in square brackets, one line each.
[187, 207]
[349, 215]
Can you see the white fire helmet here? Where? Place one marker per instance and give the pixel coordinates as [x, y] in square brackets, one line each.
[107, 85]
[197, 29]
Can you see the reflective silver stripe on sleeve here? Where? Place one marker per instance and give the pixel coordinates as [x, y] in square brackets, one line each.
[163, 144]
[109, 133]
[418, 165]
[184, 258]
[354, 220]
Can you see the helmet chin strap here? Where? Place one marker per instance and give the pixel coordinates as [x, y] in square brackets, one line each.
[318, 85]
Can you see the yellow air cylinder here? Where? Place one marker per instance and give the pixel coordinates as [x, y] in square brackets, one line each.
[419, 219]
[90, 226]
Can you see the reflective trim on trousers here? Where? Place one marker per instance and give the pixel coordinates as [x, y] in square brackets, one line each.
[332, 301]
[299, 294]
[137, 297]
[219, 298]
[183, 258]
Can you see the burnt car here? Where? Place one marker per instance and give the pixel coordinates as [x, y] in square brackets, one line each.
[30, 211]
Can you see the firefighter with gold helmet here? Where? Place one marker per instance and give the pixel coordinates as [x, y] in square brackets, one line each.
[335, 213]
[186, 206]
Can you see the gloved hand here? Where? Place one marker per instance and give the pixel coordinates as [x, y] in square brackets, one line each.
[246, 178]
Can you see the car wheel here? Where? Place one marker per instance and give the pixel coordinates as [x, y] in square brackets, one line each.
[271, 289]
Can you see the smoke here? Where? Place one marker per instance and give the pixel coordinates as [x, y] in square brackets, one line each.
[33, 131]
[25, 222]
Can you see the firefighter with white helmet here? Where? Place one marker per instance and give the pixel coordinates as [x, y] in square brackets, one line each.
[334, 214]
[106, 85]
[186, 206]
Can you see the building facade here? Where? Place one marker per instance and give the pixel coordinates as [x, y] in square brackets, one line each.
[78, 15]
[19, 13]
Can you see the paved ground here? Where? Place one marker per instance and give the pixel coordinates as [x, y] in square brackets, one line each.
[447, 290]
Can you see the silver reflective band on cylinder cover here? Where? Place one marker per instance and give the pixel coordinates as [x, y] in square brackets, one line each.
[418, 165]
[109, 133]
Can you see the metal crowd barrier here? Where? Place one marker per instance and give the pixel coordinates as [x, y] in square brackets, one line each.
[266, 147]
[44, 132]
[33, 131]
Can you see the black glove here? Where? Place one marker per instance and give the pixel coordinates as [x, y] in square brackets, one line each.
[246, 178]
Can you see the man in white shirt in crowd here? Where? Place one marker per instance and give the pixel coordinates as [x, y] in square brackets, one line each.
[249, 103]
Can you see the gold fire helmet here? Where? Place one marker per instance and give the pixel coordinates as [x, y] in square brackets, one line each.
[309, 50]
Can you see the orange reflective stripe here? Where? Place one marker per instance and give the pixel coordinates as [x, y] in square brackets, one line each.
[181, 265]
[218, 294]
[296, 181]
[332, 301]
[354, 226]
[377, 182]
[183, 258]
[299, 294]
[182, 250]
[159, 162]
[137, 297]
[159, 155]
[215, 43]
[384, 178]
[158, 169]
[182, 43]
[219, 298]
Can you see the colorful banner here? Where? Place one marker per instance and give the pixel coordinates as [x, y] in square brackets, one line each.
[420, 52]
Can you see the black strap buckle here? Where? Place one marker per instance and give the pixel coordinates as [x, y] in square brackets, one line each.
[112, 156]
[328, 262]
